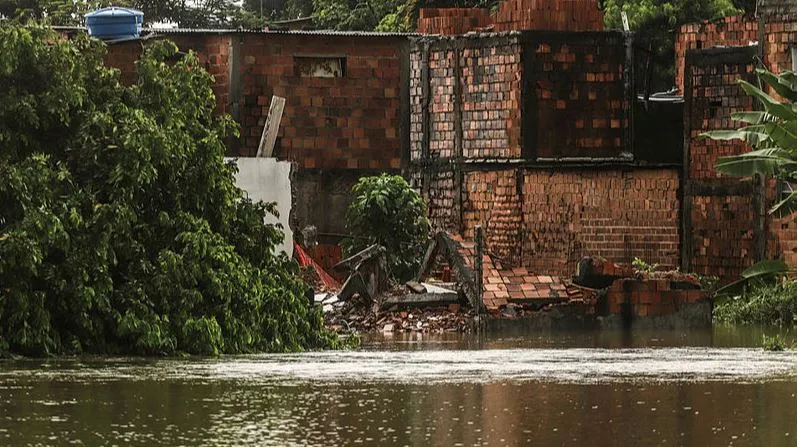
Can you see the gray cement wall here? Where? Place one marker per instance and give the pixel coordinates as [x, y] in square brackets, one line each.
[269, 180]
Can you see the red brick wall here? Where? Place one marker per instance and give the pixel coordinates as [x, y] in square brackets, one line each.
[490, 86]
[616, 214]
[451, 21]
[441, 117]
[737, 31]
[553, 218]
[442, 202]
[123, 56]
[348, 122]
[514, 15]
[715, 95]
[491, 80]
[579, 95]
[563, 15]
[781, 241]
[212, 50]
[214, 53]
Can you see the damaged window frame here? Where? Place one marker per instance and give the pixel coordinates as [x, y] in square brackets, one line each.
[320, 65]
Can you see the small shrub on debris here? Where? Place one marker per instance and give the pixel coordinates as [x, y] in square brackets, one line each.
[121, 228]
[388, 212]
[770, 303]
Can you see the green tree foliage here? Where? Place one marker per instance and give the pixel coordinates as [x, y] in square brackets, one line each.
[195, 14]
[388, 212]
[356, 15]
[121, 228]
[655, 23]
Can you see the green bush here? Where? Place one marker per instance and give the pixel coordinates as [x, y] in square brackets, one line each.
[388, 212]
[121, 227]
[761, 302]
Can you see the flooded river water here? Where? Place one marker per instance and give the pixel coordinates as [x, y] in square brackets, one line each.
[697, 388]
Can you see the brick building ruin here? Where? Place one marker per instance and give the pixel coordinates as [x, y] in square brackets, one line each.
[526, 122]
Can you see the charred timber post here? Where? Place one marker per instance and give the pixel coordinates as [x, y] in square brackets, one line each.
[629, 91]
[479, 241]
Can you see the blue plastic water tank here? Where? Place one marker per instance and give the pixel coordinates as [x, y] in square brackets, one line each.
[114, 23]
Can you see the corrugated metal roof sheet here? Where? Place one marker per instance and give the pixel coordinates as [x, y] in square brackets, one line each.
[288, 32]
[255, 31]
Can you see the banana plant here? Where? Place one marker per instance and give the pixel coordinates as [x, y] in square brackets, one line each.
[771, 132]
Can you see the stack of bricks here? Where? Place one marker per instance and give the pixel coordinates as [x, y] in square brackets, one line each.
[491, 78]
[780, 37]
[579, 89]
[490, 199]
[560, 15]
[615, 214]
[349, 122]
[501, 286]
[653, 297]
[452, 21]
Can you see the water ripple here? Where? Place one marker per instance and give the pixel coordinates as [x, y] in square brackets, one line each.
[448, 366]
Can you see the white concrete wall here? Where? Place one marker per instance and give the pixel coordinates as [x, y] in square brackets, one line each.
[268, 180]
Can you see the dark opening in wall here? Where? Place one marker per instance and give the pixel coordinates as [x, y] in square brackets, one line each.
[320, 66]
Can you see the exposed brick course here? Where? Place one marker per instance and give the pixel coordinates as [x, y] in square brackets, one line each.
[611, 213]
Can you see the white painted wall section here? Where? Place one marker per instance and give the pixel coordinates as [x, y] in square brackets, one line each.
[269, 180]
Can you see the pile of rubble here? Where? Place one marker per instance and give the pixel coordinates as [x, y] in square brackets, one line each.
[360, 314]
[369, 302]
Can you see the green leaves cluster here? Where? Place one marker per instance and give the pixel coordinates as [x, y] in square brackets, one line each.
[762, 302]
[121, 228]
[388, 212]
[655, 23]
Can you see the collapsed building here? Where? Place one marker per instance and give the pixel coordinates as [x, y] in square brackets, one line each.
[528, 122]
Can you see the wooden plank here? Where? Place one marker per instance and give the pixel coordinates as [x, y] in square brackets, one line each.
[271, 127]
[416, 287]
[429, 256]
[422, 299]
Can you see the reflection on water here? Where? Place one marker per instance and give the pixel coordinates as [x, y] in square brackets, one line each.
[563, 389]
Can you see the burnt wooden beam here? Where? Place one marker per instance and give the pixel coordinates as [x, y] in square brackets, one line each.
[421, 300]
[686, 227]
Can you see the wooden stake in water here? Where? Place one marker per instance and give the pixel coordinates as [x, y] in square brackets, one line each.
[478, 240]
